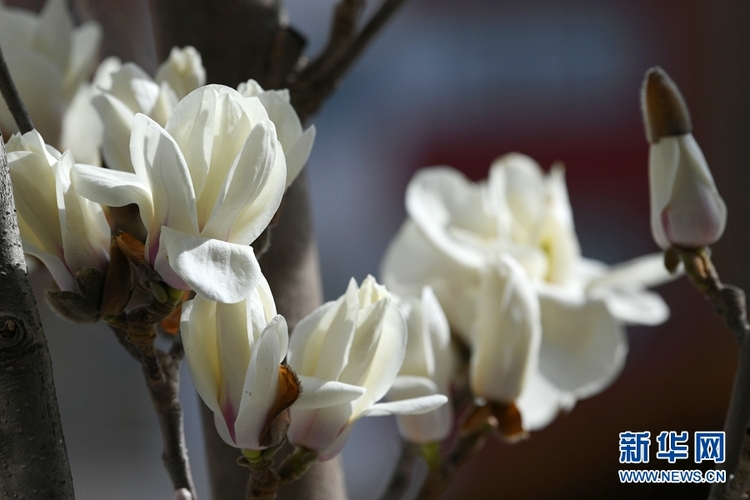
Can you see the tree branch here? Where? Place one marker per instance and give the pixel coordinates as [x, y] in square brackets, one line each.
[729, 302]
[310, 89]
[13, 99]
[33, 457]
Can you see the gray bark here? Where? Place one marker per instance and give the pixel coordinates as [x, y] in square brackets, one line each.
[33, 457]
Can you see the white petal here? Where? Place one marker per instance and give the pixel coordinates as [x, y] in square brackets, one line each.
[643, 271]
[216, 270]
[192, 125]
[85, 232]
[253, 187]
[413, 406]
[261, 387]
[634, 307]
[412, 261]
[82, 129]
[54, 32]
[525, 193]
[198, 329]
[84, 50]
[540, 402]
[317, 393]
[297, 155]
[443, 203]
[583, 346]
[134, 88]
[117, 120]
[319, 429]
[307, 339]
[113, 188]
[508, 332]
[662, 167]
[155, 154]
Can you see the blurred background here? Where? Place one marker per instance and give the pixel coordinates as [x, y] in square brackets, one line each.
[460, 83]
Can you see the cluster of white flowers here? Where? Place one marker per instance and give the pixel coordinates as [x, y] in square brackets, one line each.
[495, 263]
[207, 166]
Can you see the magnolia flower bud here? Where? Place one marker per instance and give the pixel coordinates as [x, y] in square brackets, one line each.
[206, 187]
[347, 354]
[65, 231]
[686, 208]
[49, 60]
[234, 352]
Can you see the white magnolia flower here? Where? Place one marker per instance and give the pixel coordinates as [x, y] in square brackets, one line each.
[456, 229]
[347, 354]
[62, 229]
[427, 368]
[206, 187]
[125, 90]
[296, 143]
[234, 352]
[49, 61]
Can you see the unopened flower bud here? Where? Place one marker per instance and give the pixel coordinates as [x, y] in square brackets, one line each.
[686, 208]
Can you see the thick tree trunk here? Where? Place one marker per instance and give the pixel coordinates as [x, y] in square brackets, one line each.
[33, 458]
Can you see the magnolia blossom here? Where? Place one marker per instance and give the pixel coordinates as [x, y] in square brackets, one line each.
[296, 143]
[457, 230]
[234, 352]
[347, 354]
[125, 90]
[49, 61]
[62, 229]
[427, 368]
[206, 186]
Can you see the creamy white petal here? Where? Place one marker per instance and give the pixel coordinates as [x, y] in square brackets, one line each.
[117, 121]
[508, 333]
[297, 155]
[412, 261]
[216, 270]
[319, 393]
[156, 156]
[198, 330]
[413, 406]
[53, 36]
[446, 206]
[250, 185]
[260, 388]
[113, 189]
[540, 402]
[82, 129]
[583, 346]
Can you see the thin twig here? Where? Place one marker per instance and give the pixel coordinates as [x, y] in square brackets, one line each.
[439, 478]
[342, 33]
[309, 91]
[729, 302]
[13, 99]
[163, 394]
[401, 478]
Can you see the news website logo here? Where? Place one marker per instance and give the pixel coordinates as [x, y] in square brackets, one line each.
[672, 447]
